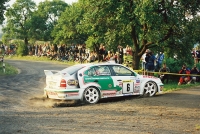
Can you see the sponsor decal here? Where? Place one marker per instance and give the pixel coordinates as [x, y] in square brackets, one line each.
[120, 84]
[137, 84]
[72, 82]
[109, 93]
[109, 85]
[146, 76]
[97, 78]
[127, 94]
[137, 81]
[72, 94]
[126, 81]
[51, 93]
[136, 89]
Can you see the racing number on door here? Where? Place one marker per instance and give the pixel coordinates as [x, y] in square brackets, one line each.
[127, 87]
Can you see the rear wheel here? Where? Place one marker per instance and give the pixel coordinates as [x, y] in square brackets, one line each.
[91, 95]
[150, 89]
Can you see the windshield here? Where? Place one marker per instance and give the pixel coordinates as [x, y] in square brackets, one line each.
[73, 69]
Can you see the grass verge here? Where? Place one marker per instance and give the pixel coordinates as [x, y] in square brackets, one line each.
[9, 70]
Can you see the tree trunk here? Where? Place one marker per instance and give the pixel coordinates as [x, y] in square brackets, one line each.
[26, 41]
[136, 61]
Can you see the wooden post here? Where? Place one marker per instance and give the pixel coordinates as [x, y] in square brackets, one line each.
[4, 67]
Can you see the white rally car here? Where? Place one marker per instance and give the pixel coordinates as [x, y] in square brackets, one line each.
[91, 82]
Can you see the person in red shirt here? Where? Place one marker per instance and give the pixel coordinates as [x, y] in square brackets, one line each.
[184, 78]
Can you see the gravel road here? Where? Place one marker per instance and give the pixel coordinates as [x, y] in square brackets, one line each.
[24, 110]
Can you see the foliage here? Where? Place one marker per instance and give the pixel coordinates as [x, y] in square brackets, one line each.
[2, 9]
[176, 64]
[142, 24]
[22, 49]
[45, 18]
[18, 20]
[168, 26]
[67, 31]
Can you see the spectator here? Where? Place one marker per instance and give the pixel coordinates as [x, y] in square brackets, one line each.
[36, 49]
[129, 50]
[121, 54]
[150, 59]
[165, 69]
[143, 59]
[197, 56]
[194, 70]
[159, 61]
[105, 53]
[184, 78]
[91, 57]
[101, 52]
[116, 57]
[107, 58]
[194, 55]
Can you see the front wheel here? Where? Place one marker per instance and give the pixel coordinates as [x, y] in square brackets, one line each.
[91, 95]
[150, 89]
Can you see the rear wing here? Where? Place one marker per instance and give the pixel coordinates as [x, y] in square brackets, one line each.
[55, 72]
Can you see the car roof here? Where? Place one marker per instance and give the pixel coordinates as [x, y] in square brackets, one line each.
[102, 63]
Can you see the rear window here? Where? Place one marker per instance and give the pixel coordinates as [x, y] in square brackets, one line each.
[73, 69]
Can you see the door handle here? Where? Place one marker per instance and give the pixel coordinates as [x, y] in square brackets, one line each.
[119, 80]
[96, 81]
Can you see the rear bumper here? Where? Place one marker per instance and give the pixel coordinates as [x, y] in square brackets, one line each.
[64, 94]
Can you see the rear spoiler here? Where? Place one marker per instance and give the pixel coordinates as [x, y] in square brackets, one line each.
[52, 72]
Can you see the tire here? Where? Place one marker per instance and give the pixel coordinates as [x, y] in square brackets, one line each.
[91, 95]
[150, 89]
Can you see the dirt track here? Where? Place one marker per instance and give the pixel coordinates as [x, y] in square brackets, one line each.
[23, 110]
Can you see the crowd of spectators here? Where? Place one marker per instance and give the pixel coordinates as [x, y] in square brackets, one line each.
[152, 62]
[75, 52]
[8, 49]
[79, 53]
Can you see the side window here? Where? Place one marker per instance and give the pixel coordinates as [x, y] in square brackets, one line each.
[102, 70]
[91, 72]
[122, 71]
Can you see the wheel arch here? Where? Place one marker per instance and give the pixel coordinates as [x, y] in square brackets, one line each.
[92, 86]
[143, 85]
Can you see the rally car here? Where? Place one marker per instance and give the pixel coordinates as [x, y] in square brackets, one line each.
[92, 82]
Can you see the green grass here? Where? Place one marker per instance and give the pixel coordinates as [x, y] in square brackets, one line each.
[9, 70]
[172, 86]
[36, 58]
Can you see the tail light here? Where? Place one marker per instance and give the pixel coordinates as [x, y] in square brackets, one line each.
[63, 83]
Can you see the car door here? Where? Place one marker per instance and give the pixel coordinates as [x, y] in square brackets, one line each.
[100, 75]
[124, 78]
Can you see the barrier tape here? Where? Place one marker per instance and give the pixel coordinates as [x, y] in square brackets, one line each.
[166, 73]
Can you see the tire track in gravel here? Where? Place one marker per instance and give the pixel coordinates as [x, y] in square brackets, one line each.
[29, 83]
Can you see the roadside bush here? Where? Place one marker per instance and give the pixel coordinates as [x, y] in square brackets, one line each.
[175, 65]
[22, 49]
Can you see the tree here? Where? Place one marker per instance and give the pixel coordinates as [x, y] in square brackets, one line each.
[2, 10]
[66, 31]
[145, 24]
[18, 20]
[45, 18]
